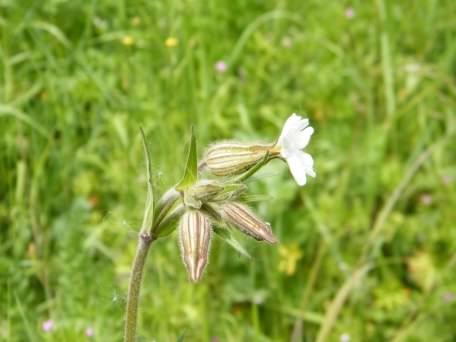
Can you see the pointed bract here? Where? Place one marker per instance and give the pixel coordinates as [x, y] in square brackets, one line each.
[191, 168]
[149, 206]
[194, 237]
[225, 234]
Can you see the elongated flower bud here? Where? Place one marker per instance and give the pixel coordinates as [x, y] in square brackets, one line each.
[194, 236]
[243, 218]
[166, 203]
[169, 222]
[226, 159]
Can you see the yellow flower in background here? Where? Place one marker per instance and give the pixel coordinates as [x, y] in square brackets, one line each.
[128, 40]
[422, 270]
[171, 42]
[136, 20]
[289, 256]
[31, 250]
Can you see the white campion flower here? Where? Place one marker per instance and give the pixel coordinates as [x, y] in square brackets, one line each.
[295, 136]
[232, 158]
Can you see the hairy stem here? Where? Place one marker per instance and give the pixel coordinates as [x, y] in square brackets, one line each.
[144, 242]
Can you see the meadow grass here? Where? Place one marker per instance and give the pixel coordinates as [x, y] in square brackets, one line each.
[367, 248]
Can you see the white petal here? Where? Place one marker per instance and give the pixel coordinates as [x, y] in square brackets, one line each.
[303, 137]
[303, 123]
[294, 123]
[301, 164]
[308, 163]
[287, 148]
[297, 170]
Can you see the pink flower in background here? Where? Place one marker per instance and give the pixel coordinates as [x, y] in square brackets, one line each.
[447, 179]
[48, 325]
[448, 297]
[287, 42]
[349, 13]
[426, 199]
[221, 66]
[89, 331]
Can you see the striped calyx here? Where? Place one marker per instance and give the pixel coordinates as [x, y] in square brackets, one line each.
[226, 159]
[243, 218]
[194, 237]
[205, 190]
[213, 191]
[168, 201]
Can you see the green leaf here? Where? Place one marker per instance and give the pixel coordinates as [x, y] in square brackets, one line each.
[149, 207]
[225, 234]
[191, 169]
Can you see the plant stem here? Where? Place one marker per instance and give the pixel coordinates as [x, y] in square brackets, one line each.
[134, 286]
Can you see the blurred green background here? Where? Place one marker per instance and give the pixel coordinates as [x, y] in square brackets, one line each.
[367, 248]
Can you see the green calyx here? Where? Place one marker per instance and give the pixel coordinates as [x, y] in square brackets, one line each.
[212, 191]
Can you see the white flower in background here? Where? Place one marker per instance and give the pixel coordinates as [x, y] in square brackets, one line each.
[345, 337]
[295, 136]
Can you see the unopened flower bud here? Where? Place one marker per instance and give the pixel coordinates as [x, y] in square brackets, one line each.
[205, 190]
[213, 191]
[226, 159]
[194, 237]
[166, 212]
[243, 218]
[168, 200]
[169, 222]
[166, 203]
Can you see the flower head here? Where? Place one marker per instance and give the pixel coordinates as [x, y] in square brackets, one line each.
[136, 20]
[448, 297]
[287, 42]
[221, 66]
[349, 13]
[345, 337]
[426, 199]
[48, 325]
[171, 42]
[295, 136]
[89, 332]
[447, 179]
[128, 40]
[289, 256]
